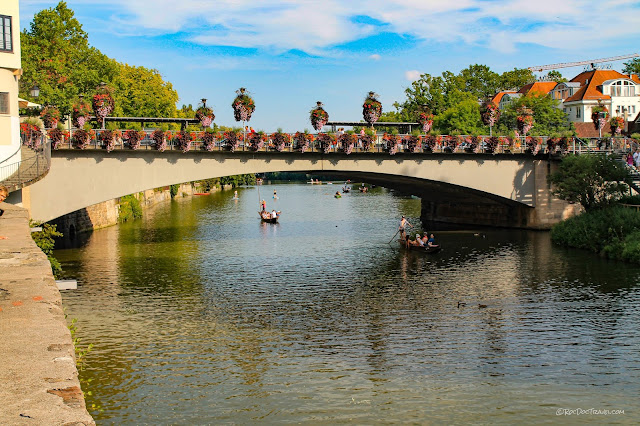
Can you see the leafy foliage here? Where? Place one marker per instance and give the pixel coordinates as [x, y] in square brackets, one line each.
[548, 118]
[45, 240]
[594, 181]
[130, 208]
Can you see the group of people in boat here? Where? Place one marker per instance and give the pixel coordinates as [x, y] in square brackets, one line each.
[268, 215]
[425, 240]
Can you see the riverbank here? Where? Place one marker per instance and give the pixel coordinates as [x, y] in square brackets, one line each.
[39, 379]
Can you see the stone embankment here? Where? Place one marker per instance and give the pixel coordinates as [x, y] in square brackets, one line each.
[38, 376]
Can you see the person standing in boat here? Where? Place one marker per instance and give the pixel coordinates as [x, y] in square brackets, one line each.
[263, 204]
[403, 224]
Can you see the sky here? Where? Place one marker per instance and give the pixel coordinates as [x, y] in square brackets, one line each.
[290, 54]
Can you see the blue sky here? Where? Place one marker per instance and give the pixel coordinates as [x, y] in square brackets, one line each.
[290, 54]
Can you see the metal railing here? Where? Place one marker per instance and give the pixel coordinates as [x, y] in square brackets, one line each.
[445, 144]
[34, 165]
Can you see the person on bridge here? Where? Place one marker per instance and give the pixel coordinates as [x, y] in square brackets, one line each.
[403, 224]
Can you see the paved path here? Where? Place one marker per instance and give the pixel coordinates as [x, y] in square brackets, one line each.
[38, 377]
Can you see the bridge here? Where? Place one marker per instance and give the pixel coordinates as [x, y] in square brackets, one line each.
[507, 189]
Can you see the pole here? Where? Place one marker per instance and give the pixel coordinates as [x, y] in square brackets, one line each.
[394, 235]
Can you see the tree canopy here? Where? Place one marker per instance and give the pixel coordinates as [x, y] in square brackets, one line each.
[549, 119]
[57, 56]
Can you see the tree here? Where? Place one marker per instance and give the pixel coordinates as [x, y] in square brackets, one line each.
[594, 181]
[462, 118]
[479, 81]
[632, 67]
[142, 92]
[515, 79]
[549, 119]
[556, 76]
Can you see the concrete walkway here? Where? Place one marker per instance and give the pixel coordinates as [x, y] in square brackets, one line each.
[38, 377]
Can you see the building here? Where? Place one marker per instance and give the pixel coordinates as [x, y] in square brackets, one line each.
[10, 71]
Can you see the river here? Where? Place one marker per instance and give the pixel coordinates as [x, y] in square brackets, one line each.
[200, 314]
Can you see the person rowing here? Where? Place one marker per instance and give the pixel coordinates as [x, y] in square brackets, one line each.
[403, 224]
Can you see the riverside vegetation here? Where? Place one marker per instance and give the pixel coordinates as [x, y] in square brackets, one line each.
[599, 184]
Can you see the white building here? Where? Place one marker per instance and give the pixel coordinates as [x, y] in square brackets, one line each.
[620, 93]
[10, 71]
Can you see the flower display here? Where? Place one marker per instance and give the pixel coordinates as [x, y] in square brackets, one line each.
[474, 143]
[108, 138]
[414, 143]
[160, 138]
[368, 139]
[205, 115]
[80, 113]
[208, 139]
[392, 142]
[102, 102]
[243, 105]
[490, 113]
[347, 141]
[525, 120]
[133, 138]
[183, 139]
[302, 141]
[426, 121]
[455, 142]
[492, 143]
[30, 134]
[279, 140]
[57, 136]
[430, 142]
[318, 116]
[81, 138]
[617, 124]
[372, 108]
[232, 139]
[256, 141]
[325, 141]
[562, 145]
[598, 116]
[50, 116]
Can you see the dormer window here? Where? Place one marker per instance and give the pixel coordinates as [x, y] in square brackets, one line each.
[623, 88]
[6, 40]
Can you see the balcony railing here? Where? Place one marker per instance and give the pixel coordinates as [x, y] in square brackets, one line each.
[33, 166]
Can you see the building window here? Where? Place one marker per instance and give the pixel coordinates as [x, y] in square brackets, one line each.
[6, 42]
[4, 103]
[578, 111]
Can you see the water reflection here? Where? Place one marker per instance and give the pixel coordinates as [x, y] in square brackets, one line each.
[202, 314]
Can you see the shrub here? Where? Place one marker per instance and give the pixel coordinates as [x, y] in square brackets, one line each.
[45, 240]
[173, 190]
[130, 208]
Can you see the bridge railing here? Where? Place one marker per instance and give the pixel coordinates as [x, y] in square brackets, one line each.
[35, 162]
[381, 143]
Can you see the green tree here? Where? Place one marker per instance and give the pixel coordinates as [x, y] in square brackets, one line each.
[479, 81]
[549, 119]
[141, 92]
[556, 76]
[515, 79]
[632, 67]
[462, 118]
[594, 181]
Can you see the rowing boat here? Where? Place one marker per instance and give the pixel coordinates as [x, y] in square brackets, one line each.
[425, 249]
[266, 217]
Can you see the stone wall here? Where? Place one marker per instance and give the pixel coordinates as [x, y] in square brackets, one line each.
[38, 376]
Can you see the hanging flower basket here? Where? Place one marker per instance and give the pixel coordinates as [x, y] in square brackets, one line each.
[256, 141]
[183, 139]
[208, 139]
[50, 116]
[430, 142]
[371, 109]
[347, 141]
[133, 138]
[426, 121]
[82, 138]
[243, 105]
[367, 140]
[302, 141]
[617, 124]
[102, 103]
[525, 120]
[160, 138]
[80, 113]
[108, 138]
[318, 117]
[30, 134]
[325, 141]
[232, 139]
[413, 142]
[598, 116]
[392, 142]
[279, 140]
[474, 144]
[491, 144]
[205, 115]
[490, 113]
[57, 136]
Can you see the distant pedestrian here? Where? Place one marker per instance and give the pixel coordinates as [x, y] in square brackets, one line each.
[636, 158]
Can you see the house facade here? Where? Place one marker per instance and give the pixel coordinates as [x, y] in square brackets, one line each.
[10, 71]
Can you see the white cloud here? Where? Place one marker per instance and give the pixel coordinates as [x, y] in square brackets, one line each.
[375, 57]
[412, 75]
[316, 27]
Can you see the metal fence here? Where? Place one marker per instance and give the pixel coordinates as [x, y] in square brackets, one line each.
[34, 164]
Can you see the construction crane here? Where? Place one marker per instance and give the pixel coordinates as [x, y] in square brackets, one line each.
[575, 64]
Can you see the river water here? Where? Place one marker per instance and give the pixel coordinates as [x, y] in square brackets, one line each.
[200, 314]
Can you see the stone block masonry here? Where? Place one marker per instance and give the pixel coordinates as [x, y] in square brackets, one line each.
[38, 376]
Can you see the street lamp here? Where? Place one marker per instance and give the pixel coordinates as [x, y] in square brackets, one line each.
[35, 91]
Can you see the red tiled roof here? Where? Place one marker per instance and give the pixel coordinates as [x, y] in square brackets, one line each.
[589, 82]
[543, 87]
[587, 130]
[498, 97]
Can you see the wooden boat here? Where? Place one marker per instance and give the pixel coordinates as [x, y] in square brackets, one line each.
[201, 193]
[266, 217]
[429, 250]
[259, 181]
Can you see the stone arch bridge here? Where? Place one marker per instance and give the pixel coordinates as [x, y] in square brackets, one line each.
[508, 190]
